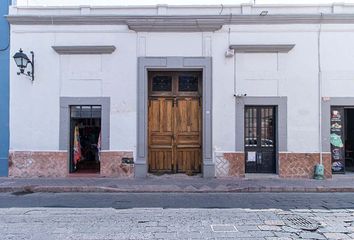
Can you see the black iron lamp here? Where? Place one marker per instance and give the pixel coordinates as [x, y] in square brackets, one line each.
[22, 61]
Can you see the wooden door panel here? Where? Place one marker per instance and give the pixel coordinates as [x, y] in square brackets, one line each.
[188, 160]
[161, 126]
[160, 115]
[188, 135]
[167, 116]
[154, 116]
[188, 139]
[182, 116]
[160, 160]
[160, 140]
[194, 111]
[188, 115]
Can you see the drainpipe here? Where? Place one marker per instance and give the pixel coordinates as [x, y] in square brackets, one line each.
[319, 89]
[319, 168]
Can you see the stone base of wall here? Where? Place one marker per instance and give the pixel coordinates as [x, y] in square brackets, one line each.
[112, 166]
[230, 164]
[55, 164]
[38, 164]
[301, 165]
[291, 165]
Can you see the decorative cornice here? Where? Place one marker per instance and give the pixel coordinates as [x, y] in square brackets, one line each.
[65, 20]
[179, 23]
[176, 24]
[84, 49]
[135, 23]
[259, 48]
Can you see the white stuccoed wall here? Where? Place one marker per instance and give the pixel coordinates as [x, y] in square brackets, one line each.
[34, 117]
[173, 44]
[35, 109]
[337, 60]
[223, 99]
[292, 74]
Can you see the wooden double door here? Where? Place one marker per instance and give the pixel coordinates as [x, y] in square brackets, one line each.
[175, 123]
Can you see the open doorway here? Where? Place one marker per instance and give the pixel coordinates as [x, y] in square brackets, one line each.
[85, 131]
[349, 139]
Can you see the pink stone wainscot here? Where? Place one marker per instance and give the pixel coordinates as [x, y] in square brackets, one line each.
[112, 165]
[27, 164]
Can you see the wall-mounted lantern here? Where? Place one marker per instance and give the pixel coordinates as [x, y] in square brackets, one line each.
[22, 61]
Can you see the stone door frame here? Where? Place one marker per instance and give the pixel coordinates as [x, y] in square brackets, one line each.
[280, 126]
[64, 127]
[146, 64]
[326, 121]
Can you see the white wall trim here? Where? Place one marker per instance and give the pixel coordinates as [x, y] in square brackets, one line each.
[84, 49]
[259, 48]
[178, 23]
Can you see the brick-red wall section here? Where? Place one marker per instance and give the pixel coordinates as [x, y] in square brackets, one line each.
[236, 164]
[301, 165]
[112, 166]
[55, 164]
[291, 165]
[38, 164]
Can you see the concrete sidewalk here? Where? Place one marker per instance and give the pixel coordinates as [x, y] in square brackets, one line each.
[178, 183]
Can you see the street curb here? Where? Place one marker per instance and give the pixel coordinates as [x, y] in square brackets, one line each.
[153, 189]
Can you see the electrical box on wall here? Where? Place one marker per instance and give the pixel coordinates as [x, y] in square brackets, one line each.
[128, 160]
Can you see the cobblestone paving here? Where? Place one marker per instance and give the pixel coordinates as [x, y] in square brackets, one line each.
[157, 223]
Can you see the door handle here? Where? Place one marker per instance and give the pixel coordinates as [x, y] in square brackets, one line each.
[259, 158]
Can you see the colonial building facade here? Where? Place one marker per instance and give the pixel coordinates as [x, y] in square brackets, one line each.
[213, 90]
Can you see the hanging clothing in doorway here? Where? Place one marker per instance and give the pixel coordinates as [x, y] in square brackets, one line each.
[99, 147]
[77, 146]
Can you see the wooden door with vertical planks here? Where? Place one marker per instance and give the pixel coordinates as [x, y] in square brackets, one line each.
[174, 122]
[161, 134]
[187, 132]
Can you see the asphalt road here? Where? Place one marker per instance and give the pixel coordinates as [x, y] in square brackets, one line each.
[283, 201]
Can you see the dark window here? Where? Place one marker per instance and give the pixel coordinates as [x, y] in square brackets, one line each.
[85, 111]
[162, 84]
[267, 134]
[187, 84]
[251, 127]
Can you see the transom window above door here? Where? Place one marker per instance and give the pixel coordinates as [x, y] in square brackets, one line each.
[182, 83]
[187, 83]
[162, 83]
[85, 111]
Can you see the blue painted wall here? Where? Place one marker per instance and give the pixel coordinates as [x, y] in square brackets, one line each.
[4, 87]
